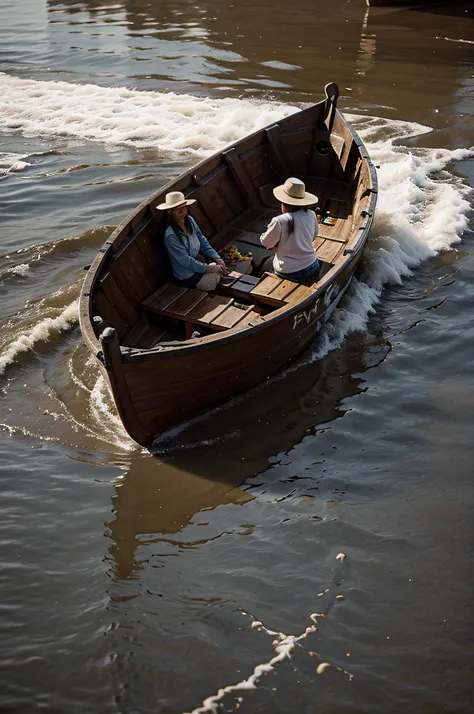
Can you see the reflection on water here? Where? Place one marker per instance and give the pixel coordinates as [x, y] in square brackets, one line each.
[368, 46]
[208, 463]
[154, 498]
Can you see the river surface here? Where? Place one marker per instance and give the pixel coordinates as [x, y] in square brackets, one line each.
[332, 504]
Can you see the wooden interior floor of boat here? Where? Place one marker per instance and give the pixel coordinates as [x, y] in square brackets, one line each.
[155, 328]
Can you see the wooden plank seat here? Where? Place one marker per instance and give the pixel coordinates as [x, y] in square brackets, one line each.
[327, 250]
[196, 307]
[301, 292]
[231, 316]
[164, 296]
[276, 291]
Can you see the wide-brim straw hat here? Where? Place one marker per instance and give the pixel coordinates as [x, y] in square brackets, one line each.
[293, 193]
[173, 199]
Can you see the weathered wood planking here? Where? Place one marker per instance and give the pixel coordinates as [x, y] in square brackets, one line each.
[298, 145]
[163, 298]
[241, 177]
[209, 309]
[329, 250]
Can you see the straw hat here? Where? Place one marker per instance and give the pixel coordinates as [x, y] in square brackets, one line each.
[293, 193]
[174, 199]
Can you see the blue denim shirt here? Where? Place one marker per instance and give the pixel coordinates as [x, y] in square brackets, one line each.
[183, 249]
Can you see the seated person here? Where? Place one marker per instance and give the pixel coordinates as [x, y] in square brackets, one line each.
[291, 234]
[184, 241]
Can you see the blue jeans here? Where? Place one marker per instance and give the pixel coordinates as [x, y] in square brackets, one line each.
[312, 271]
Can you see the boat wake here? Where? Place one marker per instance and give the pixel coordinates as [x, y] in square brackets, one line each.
[423, 209]
[43, 360]
[168, 122]
[43, 331]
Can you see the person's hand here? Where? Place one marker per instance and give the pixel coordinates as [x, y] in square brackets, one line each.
[214, 268]
[222, 265]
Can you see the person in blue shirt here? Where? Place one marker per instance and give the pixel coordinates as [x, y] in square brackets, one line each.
[184, 241]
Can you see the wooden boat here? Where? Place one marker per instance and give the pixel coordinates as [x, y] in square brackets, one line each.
[141, 327]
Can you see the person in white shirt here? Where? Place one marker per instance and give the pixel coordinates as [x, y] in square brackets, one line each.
[291, 234]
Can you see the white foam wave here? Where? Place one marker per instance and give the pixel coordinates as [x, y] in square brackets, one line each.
[12, 430]
[21, 269]
[163, 120]
[12, 163]
[33, 255]
[78, 379]
[41, 332]
[422, 209]
[110, 424]
[95, 429]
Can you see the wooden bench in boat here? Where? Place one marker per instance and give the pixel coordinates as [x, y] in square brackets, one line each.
[195, 307]
[275, 291]
[328, 249]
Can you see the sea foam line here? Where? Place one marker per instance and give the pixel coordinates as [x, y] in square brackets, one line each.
[283, 646]
[143, 119]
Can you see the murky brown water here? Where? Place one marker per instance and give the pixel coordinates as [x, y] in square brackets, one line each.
[130, 580]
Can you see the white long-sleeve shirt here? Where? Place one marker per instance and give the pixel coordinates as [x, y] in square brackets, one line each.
[294, 247]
